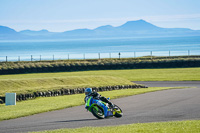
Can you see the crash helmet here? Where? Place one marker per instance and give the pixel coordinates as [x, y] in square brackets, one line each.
[88, 91]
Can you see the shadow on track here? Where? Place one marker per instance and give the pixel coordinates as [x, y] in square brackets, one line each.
[77, 120]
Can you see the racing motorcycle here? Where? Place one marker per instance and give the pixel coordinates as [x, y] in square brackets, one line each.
[101, 109]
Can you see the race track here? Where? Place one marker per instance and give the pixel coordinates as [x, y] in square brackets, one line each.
[168, 105]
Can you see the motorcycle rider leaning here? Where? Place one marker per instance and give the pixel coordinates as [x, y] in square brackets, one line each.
[95, 95]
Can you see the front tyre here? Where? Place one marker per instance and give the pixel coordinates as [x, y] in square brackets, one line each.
[118, 111]
[97, 112]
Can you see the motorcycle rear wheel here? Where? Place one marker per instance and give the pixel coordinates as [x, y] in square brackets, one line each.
[97, 113]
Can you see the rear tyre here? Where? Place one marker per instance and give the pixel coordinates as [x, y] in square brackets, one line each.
[118, 111]
[97, 112]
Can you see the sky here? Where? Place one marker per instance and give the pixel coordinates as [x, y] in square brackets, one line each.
[65, 15]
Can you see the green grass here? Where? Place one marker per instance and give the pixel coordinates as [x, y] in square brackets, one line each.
[192, 126]
[30, 85]
[169, 74]
[45, 104]
[23, 83]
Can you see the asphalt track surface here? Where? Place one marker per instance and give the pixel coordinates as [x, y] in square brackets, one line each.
[167, 105]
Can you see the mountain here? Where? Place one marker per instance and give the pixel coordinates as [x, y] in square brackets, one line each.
[35, 33]
[7, 30]
[139, 28]
[8, 33]
[106, 27]
[79, 32]
[138, 25]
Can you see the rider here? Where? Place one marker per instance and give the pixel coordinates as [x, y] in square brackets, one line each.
[95, 95]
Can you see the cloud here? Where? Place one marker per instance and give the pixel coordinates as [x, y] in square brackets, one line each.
[160, 18]
[185, 17]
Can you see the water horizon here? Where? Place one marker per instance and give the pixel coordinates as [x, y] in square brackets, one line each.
[23, 50]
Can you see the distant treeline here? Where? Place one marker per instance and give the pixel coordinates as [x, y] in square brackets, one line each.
[103, 64]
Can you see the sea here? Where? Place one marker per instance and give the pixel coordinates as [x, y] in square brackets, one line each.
[97, 48]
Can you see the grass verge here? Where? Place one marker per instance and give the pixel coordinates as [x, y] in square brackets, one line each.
[31, 85]
[168, 74]
[26, 83]
[192, 126]
[39, 105]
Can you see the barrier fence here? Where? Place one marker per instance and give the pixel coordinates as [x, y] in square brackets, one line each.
[134, 54]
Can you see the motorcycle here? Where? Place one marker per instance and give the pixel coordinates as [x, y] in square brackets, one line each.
[101, 109]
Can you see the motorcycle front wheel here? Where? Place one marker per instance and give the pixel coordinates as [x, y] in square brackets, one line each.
[97, 112]
[118, 111]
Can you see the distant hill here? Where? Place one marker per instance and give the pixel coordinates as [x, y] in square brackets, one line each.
[35, 33]
[8, 33]
[7, 30]
[139, 28]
